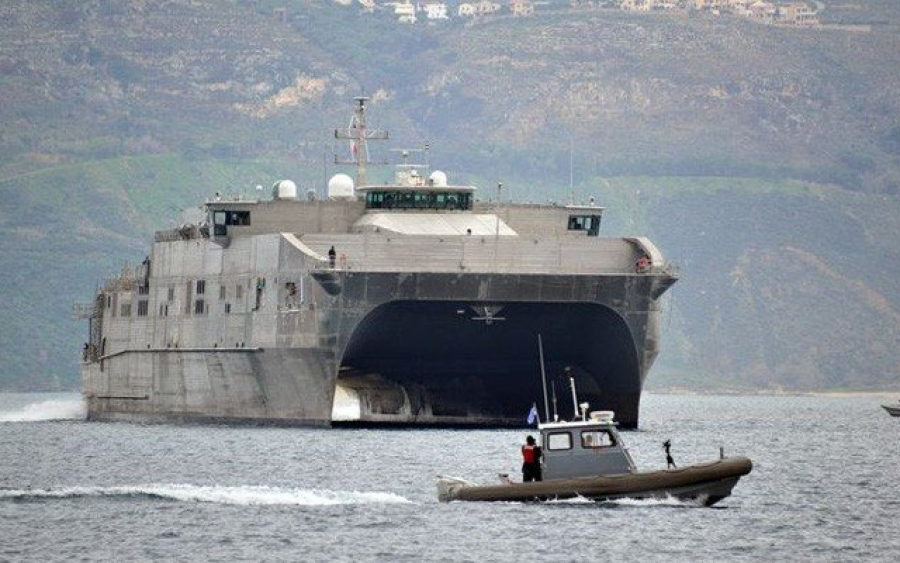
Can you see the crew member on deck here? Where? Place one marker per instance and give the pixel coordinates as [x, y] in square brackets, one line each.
[531, 461]
[670, 463]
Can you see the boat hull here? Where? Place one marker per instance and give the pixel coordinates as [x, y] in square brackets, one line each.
[893, 410]
[708, 483]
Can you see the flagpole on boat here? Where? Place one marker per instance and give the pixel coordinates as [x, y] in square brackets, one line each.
[543, 378]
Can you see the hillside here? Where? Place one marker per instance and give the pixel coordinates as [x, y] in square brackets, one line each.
[764, 160]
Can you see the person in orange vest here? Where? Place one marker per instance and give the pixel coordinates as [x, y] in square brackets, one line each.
[531, 461]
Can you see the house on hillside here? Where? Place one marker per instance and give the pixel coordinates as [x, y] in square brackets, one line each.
[636, 5]
[367, 5]
[466, 10]
[434, 9]
[763, 11]
[471, 9]
[405, 11]
[521, 8]
[797, 13]
[718, 6]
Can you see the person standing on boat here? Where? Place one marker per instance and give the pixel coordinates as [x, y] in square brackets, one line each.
[531, 461]
[667, 445]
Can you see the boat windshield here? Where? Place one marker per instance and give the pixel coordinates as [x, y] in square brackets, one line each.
[597, 439]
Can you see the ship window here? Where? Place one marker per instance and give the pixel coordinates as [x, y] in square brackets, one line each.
[559, 441]
[171, 294]
[143, 308]
[126, 310]
[429, 199]
[199, 307]
[223, 219]
[201, 287]
[164, 310]
[231, 218]
[222, 293]
[589, 223]
[597, 439]
[227, 308]
[143, 290]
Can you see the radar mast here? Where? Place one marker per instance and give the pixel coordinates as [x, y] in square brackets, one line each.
[358, 133]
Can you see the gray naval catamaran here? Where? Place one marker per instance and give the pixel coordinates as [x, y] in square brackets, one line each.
[409, 303]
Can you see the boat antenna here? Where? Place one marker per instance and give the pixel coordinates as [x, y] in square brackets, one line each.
[544, 378]
[555, 414]
[574, 394]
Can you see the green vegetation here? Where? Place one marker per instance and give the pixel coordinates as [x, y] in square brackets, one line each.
[763, 161]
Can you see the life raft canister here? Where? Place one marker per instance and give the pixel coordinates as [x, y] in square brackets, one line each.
[528, 454]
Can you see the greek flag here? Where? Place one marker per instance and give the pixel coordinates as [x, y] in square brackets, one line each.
[532, 414]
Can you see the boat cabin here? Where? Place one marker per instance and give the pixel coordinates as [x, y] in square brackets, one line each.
[584, 448]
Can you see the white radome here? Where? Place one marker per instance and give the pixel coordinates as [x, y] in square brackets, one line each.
[284, 189]
[438, 178]
[340, 186]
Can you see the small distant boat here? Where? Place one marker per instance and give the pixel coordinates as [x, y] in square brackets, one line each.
[893, 410]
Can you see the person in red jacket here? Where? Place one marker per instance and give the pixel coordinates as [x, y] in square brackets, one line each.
[531, 461]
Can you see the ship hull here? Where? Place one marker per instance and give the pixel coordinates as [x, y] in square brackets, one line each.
[403, 349]
[411, 330]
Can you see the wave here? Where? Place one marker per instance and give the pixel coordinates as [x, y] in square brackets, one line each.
[59, 409]
[239, 495]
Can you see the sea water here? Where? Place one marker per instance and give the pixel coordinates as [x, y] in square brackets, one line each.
[825, 487]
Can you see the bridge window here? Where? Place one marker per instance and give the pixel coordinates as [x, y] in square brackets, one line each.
[223, 219]
[425, 199]
[559, 441]
[588, 223]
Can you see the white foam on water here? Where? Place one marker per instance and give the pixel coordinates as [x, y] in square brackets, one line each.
[664, 501]
[638, 502]
[239, 495]
[573, 500]
[60, 409]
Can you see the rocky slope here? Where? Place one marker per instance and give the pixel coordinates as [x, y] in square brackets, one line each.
[115, 115]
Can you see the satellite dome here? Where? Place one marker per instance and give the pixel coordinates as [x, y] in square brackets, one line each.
[340, 186]
[284, 189]
[438, 179]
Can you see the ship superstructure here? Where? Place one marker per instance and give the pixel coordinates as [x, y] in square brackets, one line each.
[409, 303]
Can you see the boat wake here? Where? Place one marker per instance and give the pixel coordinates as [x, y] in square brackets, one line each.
[239, 495]
[632, 502]
[68, 409]
[667, 501]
